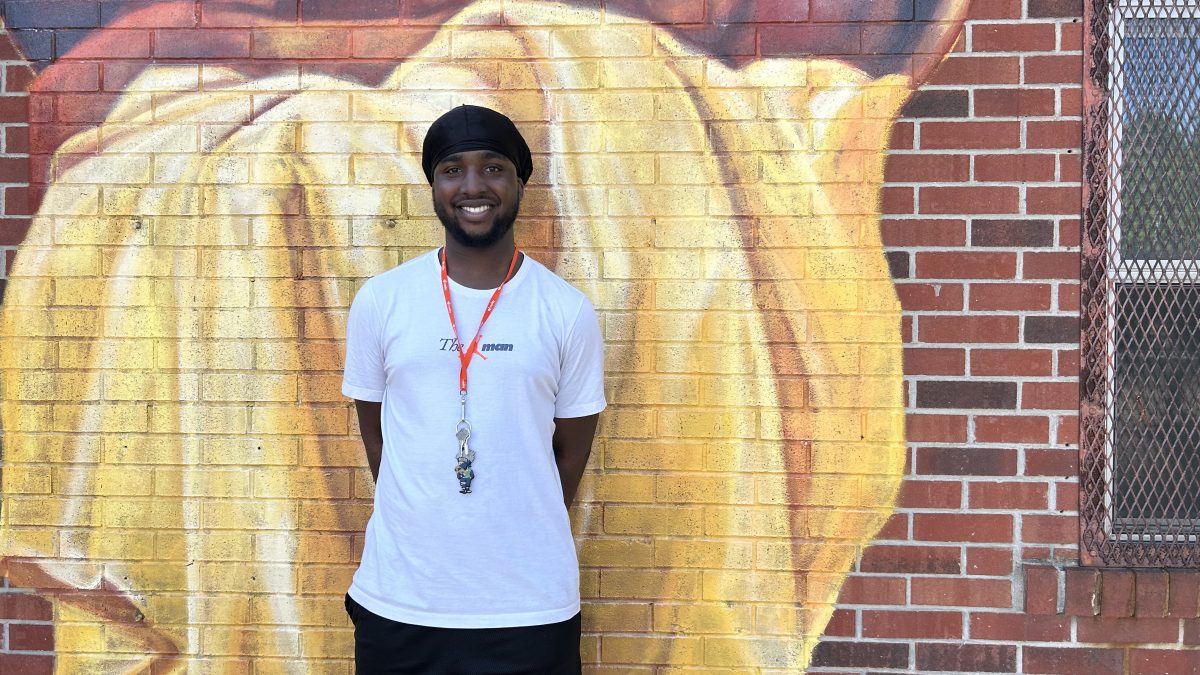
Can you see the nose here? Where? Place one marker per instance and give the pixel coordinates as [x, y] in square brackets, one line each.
[472, 181]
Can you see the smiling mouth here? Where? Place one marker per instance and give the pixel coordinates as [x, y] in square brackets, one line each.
[475, 210]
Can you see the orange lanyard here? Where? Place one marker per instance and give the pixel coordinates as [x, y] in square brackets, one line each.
[464, 356]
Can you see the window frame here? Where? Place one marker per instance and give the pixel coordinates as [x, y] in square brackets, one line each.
[1105, 540]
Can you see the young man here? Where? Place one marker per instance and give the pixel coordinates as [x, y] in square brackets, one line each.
[478, 378]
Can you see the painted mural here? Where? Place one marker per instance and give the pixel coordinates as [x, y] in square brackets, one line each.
[180, 471]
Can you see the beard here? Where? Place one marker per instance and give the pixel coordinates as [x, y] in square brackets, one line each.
[501, 224]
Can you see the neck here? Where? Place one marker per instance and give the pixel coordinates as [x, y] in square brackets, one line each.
[480, 268]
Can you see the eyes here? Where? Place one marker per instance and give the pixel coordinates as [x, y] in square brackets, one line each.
[457, 170]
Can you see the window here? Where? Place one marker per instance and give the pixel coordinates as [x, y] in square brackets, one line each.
[1140, 410]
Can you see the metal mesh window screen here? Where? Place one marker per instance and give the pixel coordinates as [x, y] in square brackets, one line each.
[1140, 412]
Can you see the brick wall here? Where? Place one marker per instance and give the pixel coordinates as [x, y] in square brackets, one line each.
[976, 570]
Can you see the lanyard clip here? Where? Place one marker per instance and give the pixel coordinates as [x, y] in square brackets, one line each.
[462, 399]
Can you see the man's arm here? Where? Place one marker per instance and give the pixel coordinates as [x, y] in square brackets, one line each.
[572, 443]
[371, 429]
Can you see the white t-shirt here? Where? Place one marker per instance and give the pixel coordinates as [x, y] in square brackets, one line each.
[502, 555]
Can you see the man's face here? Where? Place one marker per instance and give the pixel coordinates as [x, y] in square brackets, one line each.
[476, 195]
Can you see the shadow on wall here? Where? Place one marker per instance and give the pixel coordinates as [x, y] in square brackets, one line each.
[181, 473]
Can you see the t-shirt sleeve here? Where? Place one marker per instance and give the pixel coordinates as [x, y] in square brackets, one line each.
[581, 384]
[364, 378]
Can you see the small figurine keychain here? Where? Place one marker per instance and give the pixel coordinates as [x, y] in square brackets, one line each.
[464, 459]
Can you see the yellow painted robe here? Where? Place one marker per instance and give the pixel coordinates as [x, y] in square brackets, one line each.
[173, 431]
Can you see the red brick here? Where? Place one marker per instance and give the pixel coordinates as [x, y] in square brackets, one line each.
[958, 592]
[912, 624]
[1073, 661]
[897, 200]
[1019, 627]
[1049, 529]
[202, 43]
[1053, 69]
[860, 590]
[24, 607]
[1160, 661]
[1010, 297]
[911, 559]
[1050, 395]
[1014, 167]
[1014, 37]
[936, 428]
[923, 232]
[973, 199]
[72, 76]
[26, 664]
[1047, 265]
[965, 461]
[90, 108]
[20, 201]
[1191, 632]
[1028, 362]
[896, 527]
[995, 9]
[1042, 9]
[1082, 591]
[852, 654]
[214, 15]
[831, 39]
[16, 139]
[930, 297]
[934, 361]
[972, 658]
[16, 170]
[1067, 496]
[1066, 432]
[970, 527]
[927, 168]
[18, 78]
[1126, 630]
[929, 494]
[968, 329]
[1068, 362]
[1011, 429]
[31, 637]
[843, 623]
[16, 109]
[1070, 101]
[1015, 102]
[953, 135]
[1068, 297]
[1070, 37]
[989, 562]
[148, 14]
[1041, 589]
[1054, 134]
[978, 70]
[1008, 496]
[965, 265]
[962, 394]
[1116, 593]
[1055, 200]
[1070, 170]
[902, 136]
[1055, 462]
[1151, 593]
[1184, 600]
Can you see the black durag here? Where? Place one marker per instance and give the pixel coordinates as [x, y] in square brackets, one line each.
[472, 127]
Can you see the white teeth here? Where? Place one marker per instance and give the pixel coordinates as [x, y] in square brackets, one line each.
[475, 209]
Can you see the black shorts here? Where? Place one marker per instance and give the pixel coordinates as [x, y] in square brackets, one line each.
[385, 646]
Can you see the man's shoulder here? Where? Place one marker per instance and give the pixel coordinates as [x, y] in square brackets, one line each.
[551, 284]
